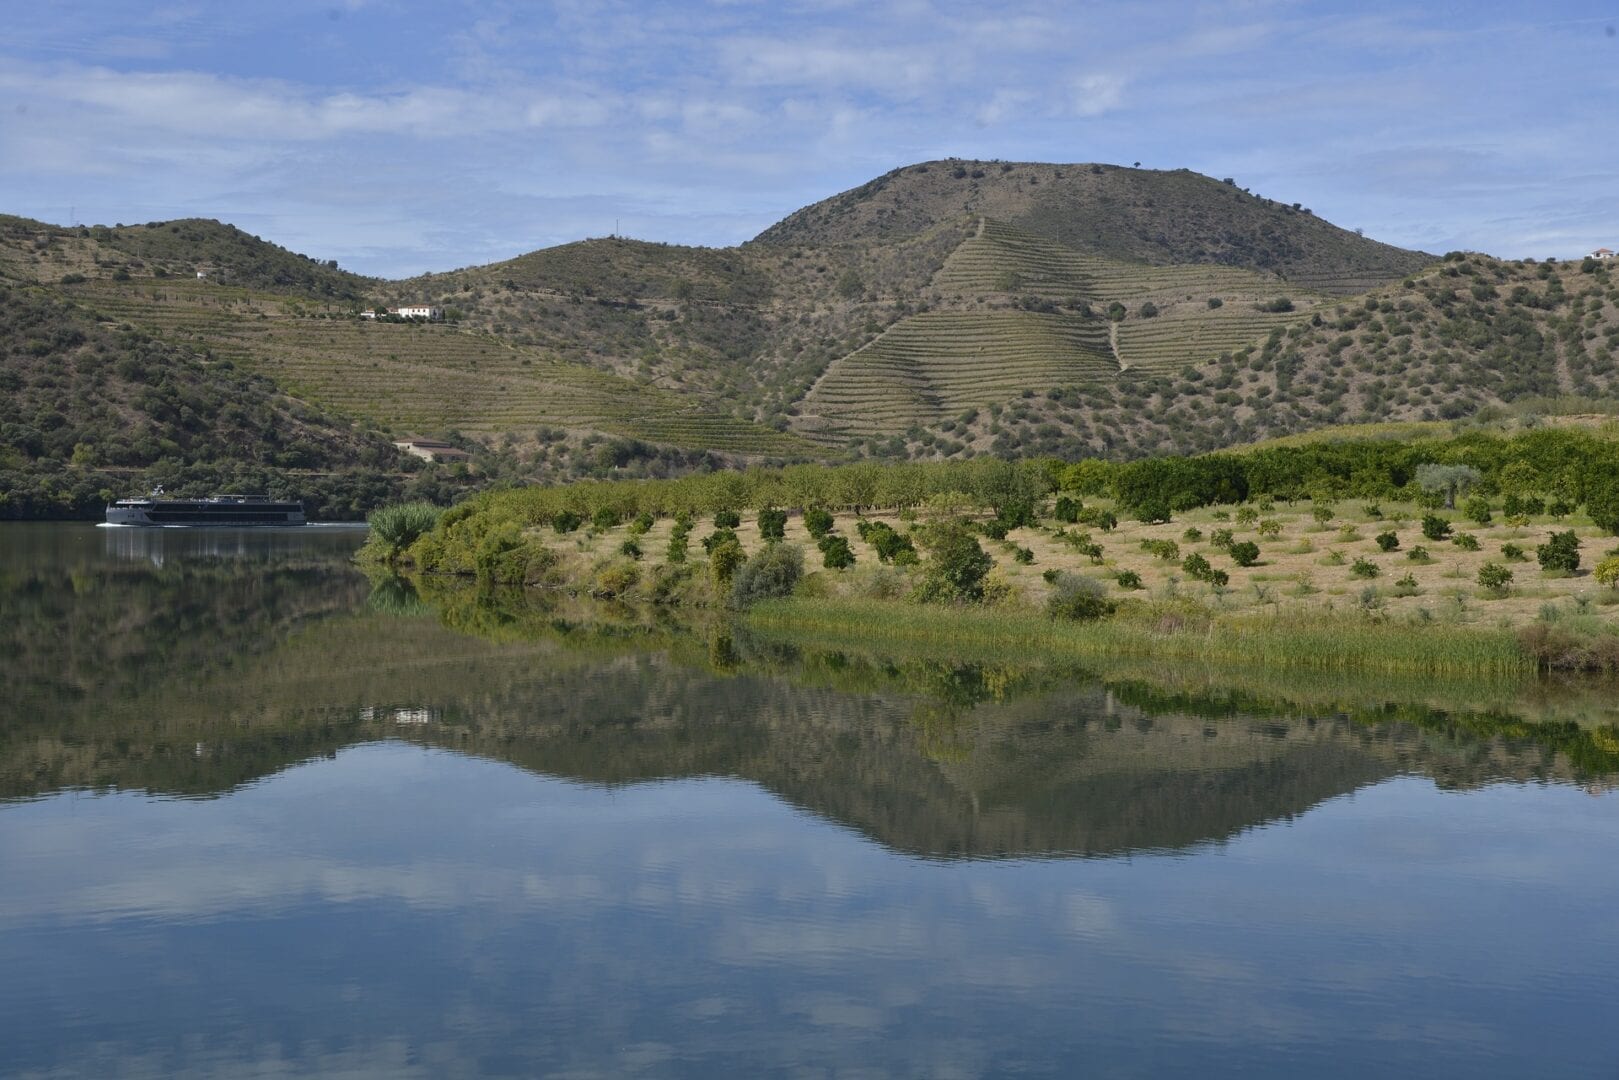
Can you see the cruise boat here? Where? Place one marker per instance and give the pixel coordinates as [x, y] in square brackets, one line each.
[157, 509]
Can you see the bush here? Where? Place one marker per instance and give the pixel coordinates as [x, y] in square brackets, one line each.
[1067, 509]
[773, 524]
[727, 519]
[1097, 518]
[1215, 302]
[1607, 572]
[677, 548]
[1074, 597]
[1560, 554]
[641, 524]
[1419, 554]
[1270, 527]
[1477, 510]
[1323, 514]
[400, 526]
[1247, 515]
[1388, 541]
[1435, 527]
[956, 566]
[1222, 539]
[724, 558]
[630, 548]
[1245, 553]
[817, 522]
[1128, 579]
[1192, 535]
[1512, 553]
[836, 553]
[1167, 550]
[1407, 586]
[566, 521]
[718, 537]
[773, 571]
[1023, 556]
[1148, 310]
[1196, 567]
[1494, 577]
[616, 579]
[1466, 541]
[1364, 568]
[1278, 305]
[605, 517]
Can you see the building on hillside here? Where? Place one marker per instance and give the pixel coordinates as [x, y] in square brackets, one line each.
[1601, 253]
[432, 450]
[409, 311]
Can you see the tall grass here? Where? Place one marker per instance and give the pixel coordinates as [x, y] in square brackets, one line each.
[1302, 643]
[400, 525]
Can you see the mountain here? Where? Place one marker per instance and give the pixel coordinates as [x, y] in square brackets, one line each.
[945, 309]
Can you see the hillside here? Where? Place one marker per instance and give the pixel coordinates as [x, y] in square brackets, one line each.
[946, 309]
[90, 411]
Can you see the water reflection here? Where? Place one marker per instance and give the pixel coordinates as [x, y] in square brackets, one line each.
[268, 818]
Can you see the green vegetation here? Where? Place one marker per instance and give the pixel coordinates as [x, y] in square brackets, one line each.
[401, 525]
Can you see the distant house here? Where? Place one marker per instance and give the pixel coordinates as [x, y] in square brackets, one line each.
[409, 311]
[432, 450]
[1601, 253]
[204, 272]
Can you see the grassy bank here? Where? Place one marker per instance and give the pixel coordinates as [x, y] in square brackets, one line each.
[1294, 642]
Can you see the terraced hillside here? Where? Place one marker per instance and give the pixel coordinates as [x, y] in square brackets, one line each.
[939, 363]
[413, 376]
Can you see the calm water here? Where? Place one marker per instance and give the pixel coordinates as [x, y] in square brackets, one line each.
[257, 818]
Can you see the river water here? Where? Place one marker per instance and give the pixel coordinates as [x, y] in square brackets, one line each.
[260, 817]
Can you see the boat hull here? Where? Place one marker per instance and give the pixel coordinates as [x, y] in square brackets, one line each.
[201, 512]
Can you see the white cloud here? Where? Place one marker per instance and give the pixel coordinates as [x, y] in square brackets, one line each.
[1096, 94]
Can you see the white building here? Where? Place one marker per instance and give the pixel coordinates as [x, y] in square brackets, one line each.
[418, 311]
[1601, 253]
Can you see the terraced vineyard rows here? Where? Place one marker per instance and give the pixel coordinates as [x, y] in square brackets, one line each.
[427, 377]
[1001, 259]
[938, 363]
[1166, 344]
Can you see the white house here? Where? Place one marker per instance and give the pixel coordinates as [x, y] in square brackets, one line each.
[1601, 253]
[418, 311]
[432, 450]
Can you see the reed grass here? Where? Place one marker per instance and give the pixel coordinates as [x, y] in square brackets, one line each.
[1345, 644]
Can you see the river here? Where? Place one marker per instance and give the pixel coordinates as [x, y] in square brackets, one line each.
[259, 816]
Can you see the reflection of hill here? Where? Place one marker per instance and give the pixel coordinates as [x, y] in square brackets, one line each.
[1065, 769]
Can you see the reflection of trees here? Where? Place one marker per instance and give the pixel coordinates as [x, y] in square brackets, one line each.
[935, 758]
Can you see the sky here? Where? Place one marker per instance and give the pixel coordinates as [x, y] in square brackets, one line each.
[403, 137]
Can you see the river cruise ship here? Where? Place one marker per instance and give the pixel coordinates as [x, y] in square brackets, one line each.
[158, 509]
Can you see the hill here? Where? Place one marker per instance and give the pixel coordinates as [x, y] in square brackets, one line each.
[946, 309]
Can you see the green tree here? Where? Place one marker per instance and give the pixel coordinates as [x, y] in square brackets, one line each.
[956, 566]
[1560, 553]
[773, 571]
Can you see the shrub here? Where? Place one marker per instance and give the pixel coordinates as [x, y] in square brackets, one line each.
[1494, 577]
[1607, 572]
[567, 521]
[1407, 586]
[616, 579]
[1192, 535]
[402, 525]
[1167, 550]
[1247, 515]
[1214, 302]
[724, 558]
[1023, 556]
[818, 522]
[718, 537]
[1074, 597]
[892, 547]
[773, 571]
[1270, 527]
[605, 517]
[727, 519]
[773, 524]
[1196, 567]
[1435, 527]
[836, 553]
[1323, 514]
[1222, 538]
[1388, 541]
[1128, 579]
[677, 548]
[1067, 509]
[1147, 310]
[1245, 553]
[641, 524]
[1512, 553]
[1419, 554]
[956, 566]
[1279, 304]
[1364, 568]
[1560, 553]
[630, 549]
[1477, 510]
[1466, 541]
[1096, 518]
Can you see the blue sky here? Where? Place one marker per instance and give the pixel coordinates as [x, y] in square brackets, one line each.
[403, 137]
